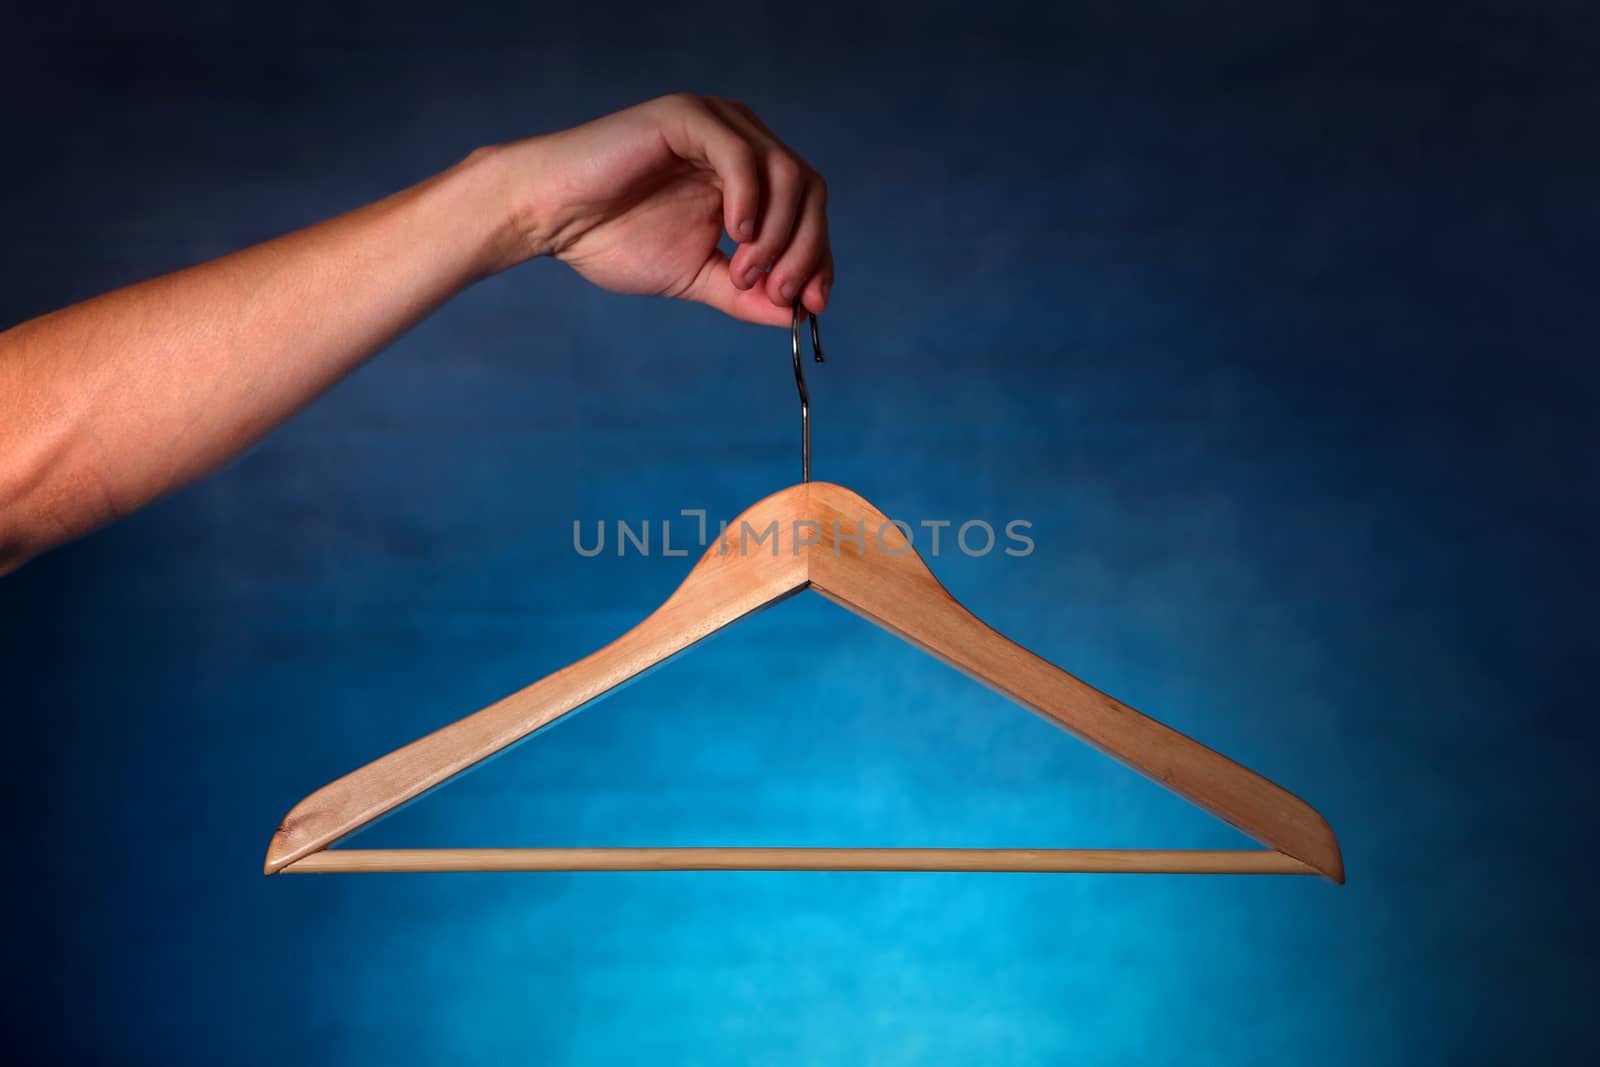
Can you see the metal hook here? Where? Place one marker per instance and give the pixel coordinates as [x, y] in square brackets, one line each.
[800, 381]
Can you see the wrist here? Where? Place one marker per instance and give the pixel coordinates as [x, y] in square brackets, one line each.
[510, 226]
[531, 219]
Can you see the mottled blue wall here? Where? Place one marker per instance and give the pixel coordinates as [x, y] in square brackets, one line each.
[1280, 328]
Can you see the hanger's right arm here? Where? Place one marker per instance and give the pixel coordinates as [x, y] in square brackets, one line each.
[110, 403]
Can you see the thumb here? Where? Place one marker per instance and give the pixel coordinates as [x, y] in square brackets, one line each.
[714, 287]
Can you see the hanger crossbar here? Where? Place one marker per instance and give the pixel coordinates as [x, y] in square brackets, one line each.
[1058, 861]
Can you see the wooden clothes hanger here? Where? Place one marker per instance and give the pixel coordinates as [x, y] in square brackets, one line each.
[822, 537]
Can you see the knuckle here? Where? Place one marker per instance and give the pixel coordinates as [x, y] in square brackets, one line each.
[682, 101]
[785, 169]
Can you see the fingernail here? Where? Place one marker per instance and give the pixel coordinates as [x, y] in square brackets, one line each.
[787, 289]
[747, 229]
[751, 275]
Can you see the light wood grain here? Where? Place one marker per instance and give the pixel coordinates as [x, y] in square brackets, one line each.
[882, 579]
[1019, 860]
[892, 587]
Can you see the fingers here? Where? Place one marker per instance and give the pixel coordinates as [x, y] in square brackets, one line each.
[815, 294]
[774, 203]
[797, 271]
[695, 133]
[783, 188]
[712, 287]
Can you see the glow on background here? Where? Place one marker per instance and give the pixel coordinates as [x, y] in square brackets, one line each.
[1270, 323]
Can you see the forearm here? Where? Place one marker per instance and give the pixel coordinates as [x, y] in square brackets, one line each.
[108, 404]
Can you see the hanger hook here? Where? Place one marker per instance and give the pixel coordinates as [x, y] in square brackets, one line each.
[800, 382]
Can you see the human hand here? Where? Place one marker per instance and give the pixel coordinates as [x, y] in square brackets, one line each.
[637, 201]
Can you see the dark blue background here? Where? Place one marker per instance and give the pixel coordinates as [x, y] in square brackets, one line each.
[1278, 326]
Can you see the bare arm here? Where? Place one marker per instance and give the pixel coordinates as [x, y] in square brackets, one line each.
[108, 404]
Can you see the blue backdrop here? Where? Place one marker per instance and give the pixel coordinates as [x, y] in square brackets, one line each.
[1271, 324]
